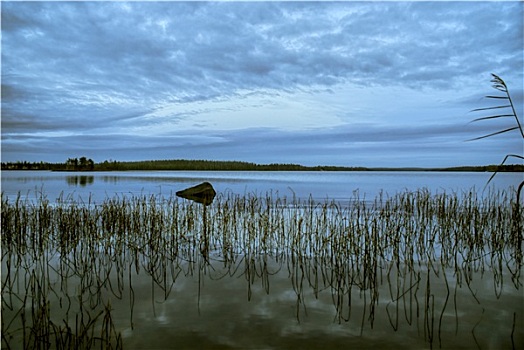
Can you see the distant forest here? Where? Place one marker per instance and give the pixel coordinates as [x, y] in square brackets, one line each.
[85, 164]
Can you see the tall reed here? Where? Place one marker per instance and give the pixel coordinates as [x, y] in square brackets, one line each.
[405, 241]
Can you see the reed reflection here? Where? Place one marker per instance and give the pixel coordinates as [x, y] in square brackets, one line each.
[407, 264]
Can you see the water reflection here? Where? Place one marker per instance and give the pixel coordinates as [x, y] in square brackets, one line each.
[320, 185]
[111, 179]
[80, 180]
[253, 273]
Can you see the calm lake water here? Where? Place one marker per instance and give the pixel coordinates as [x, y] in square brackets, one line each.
[227, 291]
[340, 186]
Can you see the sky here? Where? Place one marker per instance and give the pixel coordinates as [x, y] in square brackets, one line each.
[315, 83]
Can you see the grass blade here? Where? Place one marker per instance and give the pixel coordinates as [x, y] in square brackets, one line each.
[495, 133]
[499, 97]
[501, 164]
[487, 108]
[493, 117]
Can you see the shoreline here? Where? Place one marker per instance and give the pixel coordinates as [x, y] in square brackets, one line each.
[483, 169]
[211, 165]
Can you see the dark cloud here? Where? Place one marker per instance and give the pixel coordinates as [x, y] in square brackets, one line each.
[360, 145]
[270, 45]
[93, 71]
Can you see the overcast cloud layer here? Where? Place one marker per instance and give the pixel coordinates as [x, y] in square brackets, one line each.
[356, 84]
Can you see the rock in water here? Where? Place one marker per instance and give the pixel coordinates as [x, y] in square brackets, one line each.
[203, 193]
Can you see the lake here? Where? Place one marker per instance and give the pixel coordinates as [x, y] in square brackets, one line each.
[339, 186]
[138, 268]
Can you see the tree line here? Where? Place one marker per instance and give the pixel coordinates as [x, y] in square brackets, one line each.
[86, 164]
[71, 164]
[209, 165]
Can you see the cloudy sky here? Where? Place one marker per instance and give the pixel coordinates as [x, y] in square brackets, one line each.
[331, 83]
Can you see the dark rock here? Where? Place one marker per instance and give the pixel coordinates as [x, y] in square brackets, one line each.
[203, 193]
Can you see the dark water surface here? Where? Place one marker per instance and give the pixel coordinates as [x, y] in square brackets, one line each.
[246, 275]
[271, 303]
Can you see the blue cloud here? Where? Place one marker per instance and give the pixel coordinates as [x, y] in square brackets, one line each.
[92, 71]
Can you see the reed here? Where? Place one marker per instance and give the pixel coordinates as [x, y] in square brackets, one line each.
[506, 110]
[406, 241]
